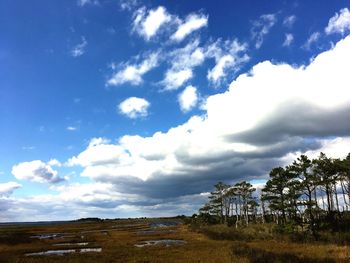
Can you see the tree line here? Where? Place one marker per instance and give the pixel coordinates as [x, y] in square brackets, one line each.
[307, 193]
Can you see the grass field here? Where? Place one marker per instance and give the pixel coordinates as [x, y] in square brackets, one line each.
[116, 240]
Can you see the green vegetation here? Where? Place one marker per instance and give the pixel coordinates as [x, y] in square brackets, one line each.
[301, 212]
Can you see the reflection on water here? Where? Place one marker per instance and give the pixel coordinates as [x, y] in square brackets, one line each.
[154, 232]
[164, 224]
[163, 242]
[52, 236]
[72, 244]
[62, 252]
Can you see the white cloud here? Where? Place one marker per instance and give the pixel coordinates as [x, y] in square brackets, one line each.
[267, 117]
[36, 171]
[192, 23]
[335, 148]
[54, 162]
[188, 98]
[229, 55]
[128, 4]
[8, 188]
[288, 40]
[79, 49]
[175, 79]
[71, 128]
[219, 70]
[262, 27]
[312, 39]
[147, 25]
[88, 2]
[28, 148]
[289, 21]
[133, 73]
[182, 61]
[98, 141]
[93, 200]
[272, 112]
[339, 23]
[98, 152]
[265, 114]
[134, 107]
[188, 57]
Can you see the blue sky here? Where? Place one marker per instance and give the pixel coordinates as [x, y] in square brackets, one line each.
[136, 108]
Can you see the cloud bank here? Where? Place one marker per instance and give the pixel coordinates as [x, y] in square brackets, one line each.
[267, 113]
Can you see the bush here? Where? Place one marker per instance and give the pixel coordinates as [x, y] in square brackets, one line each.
[256, 255]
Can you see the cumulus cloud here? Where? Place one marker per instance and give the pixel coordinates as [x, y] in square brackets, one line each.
[266, 118]
[339, 23]
[188, 98]
[134, 107]
[132, 73]
[267, 113]
[147, 23]
[192, 23]
[262, 27]
[8, 188]
[92, 200]
[54, 162]
[36, 171]
[338, 147]
[288, 40]
[79, 49]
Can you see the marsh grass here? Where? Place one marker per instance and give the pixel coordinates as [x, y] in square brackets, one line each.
[206, 244]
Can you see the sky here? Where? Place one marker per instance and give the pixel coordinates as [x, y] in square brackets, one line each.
[116, 108]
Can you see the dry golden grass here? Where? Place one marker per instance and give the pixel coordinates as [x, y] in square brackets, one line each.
[117, 240]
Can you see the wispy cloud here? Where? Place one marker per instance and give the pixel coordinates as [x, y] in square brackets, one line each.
[71, 128]
[79, 49]
[28, 148]
[8, 188]
[132, 73]
[288, 40]
[87, 2]
[182, 62]
[176, 78]
[128, 4]
[229, 55]
[314, 37]
[192, 23]
[289, 21]
[262, 27]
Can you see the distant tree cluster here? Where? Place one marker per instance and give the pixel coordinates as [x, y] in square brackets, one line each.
[307, 193]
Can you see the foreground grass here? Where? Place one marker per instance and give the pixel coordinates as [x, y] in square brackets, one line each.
[117, 240]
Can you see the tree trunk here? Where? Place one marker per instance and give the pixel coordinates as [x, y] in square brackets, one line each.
[344, 196]
[336, 196]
